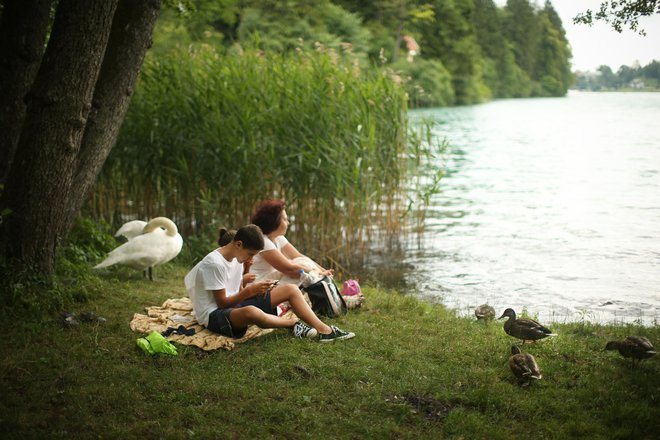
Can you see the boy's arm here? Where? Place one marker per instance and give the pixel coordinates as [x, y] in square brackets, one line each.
[248, 278]
[223, 301]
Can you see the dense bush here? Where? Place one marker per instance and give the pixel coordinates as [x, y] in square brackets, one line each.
[427, 82]
[24, 291]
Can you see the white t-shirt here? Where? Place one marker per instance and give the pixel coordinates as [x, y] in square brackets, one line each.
[262, 268]
[214, 272]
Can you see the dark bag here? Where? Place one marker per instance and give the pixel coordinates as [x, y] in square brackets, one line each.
[325, 298]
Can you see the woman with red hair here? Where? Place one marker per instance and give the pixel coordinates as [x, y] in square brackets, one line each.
[279, 259]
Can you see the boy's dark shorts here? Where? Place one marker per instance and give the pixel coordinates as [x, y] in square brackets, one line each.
[219, 319]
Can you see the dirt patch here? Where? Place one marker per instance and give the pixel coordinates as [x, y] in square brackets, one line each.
[433, 409]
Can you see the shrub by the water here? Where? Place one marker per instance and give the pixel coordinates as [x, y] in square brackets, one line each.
[427, 82]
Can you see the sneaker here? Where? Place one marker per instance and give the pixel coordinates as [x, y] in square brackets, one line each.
[337, 334]
[302, 330]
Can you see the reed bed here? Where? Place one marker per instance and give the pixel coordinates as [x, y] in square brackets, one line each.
[208, 135]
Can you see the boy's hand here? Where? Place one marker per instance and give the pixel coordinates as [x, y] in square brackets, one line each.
[262, 287]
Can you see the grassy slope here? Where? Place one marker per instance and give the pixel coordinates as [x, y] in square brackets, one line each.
[413, 371]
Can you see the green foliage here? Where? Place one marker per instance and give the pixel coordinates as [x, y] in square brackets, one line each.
[427, 82]
[541, 53]
[451, 38]
[25, 291]
[522, 29]
[290, 26]
[550, 86]
[196, 246]
[209, 134]
[497, 60]
[620, 14]
[552, 68]
[626, 78]
[88, 242]
[483, 47]
[652, 70]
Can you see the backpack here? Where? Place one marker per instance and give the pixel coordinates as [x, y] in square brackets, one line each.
[325, 298]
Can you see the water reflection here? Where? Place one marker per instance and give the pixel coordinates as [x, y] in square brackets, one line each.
[548, 204]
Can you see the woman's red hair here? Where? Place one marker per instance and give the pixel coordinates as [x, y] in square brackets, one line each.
[268, 215]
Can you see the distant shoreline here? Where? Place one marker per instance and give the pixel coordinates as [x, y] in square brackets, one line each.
[623, 90]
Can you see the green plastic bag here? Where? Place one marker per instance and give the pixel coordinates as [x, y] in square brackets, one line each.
[155, 343]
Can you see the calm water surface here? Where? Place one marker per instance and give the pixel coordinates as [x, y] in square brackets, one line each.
[552, 205]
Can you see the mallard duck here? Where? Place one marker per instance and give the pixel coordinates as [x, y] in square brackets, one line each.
[524, 366]
[153, 247]
[524, 329]
[485, 312]
[635, 347]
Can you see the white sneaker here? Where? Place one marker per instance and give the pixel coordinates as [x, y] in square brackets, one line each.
[302, 330]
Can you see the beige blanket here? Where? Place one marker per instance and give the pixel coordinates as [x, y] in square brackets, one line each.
[175, 312]
[178, 311]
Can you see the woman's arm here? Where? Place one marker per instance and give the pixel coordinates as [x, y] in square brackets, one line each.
[291, 252]
[281, 262]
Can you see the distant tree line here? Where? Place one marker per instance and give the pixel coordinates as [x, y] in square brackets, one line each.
[447, 52]
[627, 77]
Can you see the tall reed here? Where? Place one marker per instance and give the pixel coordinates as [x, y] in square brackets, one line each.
[208, 135]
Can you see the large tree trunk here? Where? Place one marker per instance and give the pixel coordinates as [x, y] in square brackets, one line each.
[75, 110]
[22, 42]
[39, 187]
[130, 38]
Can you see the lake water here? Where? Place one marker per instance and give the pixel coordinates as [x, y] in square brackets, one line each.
[552, 205]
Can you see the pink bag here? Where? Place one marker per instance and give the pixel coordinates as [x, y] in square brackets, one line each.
[351, 288]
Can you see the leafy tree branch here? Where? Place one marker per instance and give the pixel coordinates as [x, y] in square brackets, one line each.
[620, 14]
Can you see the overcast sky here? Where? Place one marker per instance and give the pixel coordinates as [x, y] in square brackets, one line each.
[600, 44]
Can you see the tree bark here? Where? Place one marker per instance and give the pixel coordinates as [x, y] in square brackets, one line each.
[130, 38]
[22, 36]
[39, 186]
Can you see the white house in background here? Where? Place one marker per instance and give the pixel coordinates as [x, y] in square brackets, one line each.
[637, 83]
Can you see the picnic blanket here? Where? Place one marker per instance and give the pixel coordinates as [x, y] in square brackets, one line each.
[178, 311]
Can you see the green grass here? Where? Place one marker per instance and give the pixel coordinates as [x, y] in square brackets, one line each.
[413, 371]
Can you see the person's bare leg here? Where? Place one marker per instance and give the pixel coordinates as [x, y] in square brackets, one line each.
[291, 293]
[244, 316]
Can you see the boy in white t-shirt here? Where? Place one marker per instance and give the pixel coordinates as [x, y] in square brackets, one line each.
[224, 305]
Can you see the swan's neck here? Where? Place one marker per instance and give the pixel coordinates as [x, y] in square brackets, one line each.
[163, 222]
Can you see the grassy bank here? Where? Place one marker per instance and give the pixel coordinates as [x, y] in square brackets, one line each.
[413, 371]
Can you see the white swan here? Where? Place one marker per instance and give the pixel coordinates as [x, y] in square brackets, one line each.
[131, 229]
[153, 247]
